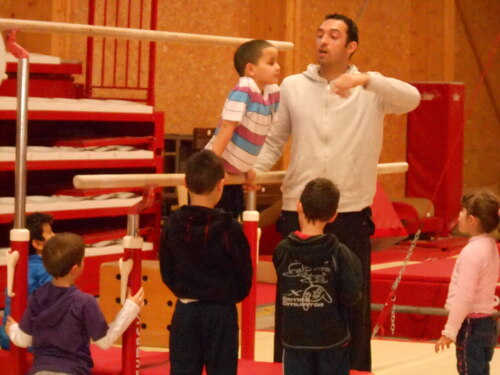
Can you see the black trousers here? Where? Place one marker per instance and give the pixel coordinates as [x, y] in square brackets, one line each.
[353, 229]
[204, 334]
[316, 362]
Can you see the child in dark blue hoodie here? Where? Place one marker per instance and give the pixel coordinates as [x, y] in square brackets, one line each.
[205, 260]
[318, 277]
[60, 319]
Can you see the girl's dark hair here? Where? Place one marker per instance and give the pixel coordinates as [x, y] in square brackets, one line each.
[484, 205]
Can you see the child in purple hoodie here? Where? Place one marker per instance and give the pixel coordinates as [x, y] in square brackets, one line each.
[61, 319]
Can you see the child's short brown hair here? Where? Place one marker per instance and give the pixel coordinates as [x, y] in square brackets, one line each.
[204, 170]
[484, 205]
[320, 199]
[249, 52]
[62, 252]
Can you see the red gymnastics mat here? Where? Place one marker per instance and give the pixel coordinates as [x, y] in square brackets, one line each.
[108, 362]
[266, 294]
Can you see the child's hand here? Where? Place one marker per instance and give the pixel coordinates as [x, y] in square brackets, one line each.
[442, 342]
[138, 298]
[249, 178]
[9, 323]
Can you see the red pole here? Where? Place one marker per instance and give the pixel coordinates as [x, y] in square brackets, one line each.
[19, 241]
[250, 227]
[132, 244]
[131, 337]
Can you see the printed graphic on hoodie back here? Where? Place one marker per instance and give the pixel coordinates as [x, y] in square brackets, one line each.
[312, 294]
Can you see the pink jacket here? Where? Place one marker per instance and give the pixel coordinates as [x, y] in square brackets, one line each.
[473, 283]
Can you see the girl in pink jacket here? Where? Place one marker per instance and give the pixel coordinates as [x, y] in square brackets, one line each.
[471, 295]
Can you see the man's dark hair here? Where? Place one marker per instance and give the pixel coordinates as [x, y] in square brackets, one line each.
[352, 29]
[249, 52]
[204, 170]
[484, 205]
[320, 199]
[62, 252]
[34, 223]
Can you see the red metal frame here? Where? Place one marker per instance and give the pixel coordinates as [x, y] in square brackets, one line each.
[154, 142]
[248, 313]
[63, 68]
[18, 303]
[83, 116]
[111, 51]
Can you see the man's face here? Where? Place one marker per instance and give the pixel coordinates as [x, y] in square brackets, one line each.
[331, 43]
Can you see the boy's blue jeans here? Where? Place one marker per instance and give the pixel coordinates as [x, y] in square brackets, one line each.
[476, 342]
[4, 339]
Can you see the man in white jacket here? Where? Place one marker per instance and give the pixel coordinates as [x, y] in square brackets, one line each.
[335, 114]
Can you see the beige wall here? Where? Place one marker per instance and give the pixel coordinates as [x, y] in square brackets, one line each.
[408, 39]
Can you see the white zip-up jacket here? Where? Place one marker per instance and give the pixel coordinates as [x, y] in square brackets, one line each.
[333, 137]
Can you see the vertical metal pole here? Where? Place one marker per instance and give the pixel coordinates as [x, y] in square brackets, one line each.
[251, 201]
[21, 142]
[250, 227]
[19, 236]
[132, 224]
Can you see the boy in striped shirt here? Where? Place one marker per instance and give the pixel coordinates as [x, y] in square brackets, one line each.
[248, 113]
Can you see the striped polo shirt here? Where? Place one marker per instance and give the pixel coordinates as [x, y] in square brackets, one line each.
[255, 112]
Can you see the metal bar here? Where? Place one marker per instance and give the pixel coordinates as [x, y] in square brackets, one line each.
[251, 201]
[90, 53]
[21, 143]
[406, 309]
[19, 236]
[132, 225]
[123, 32]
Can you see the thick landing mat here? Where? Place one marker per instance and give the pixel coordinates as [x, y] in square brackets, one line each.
[108, 362]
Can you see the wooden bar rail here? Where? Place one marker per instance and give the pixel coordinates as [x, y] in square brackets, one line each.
[127, 33]
[175, 179]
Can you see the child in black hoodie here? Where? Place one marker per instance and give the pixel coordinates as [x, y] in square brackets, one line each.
[317, 278]
[205, 260]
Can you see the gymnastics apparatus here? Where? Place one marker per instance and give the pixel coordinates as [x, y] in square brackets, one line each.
[130, 264]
